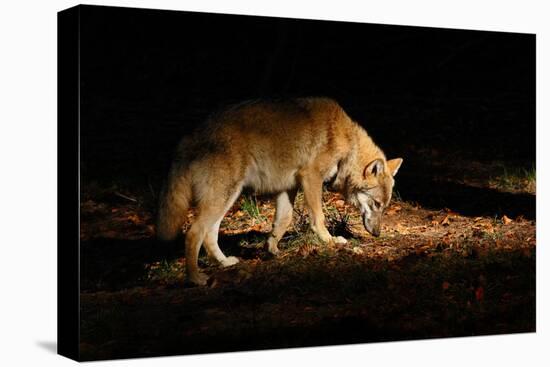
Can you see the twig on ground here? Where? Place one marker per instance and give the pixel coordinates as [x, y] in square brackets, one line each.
[125, 197]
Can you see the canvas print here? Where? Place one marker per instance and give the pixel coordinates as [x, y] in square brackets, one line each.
[250, 182]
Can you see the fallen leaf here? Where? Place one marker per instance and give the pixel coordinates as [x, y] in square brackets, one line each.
[445, 221]
[357, 251]
[450, 212]
[479, 294]
[506, 220]
[393, 210]
[401, 229]
[134, 219]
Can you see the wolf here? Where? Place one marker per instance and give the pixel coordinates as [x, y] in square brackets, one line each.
[272, 147]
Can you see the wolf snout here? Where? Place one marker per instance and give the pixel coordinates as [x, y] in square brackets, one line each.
[374, 231]
[372, 227]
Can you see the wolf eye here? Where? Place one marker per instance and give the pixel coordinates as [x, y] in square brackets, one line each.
[377, 204]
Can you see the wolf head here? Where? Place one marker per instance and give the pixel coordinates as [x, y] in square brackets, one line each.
[373, 195]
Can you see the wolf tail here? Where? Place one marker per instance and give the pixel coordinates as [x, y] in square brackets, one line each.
[175, 199]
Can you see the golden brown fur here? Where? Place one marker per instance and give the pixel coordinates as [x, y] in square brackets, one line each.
[273, 148]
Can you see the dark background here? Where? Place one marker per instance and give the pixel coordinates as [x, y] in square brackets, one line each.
[148, 77]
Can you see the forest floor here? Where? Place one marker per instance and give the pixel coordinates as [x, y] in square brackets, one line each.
[433, 272]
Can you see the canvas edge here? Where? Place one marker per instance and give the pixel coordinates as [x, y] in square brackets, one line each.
[68, 186]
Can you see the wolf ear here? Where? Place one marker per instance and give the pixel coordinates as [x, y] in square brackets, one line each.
[394, 165]
[374, 168]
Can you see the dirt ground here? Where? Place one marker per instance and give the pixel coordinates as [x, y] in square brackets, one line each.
[434, 272]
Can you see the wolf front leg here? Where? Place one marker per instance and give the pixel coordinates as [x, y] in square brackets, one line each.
[283, 217]
[312, 184]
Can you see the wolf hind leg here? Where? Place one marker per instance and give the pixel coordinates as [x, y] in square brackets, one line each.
[193, 243]
[210, 213]
[283, 217]
[211, 238]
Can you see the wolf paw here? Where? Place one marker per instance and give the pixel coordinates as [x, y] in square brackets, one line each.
[231, 260]
[273, 249]
[339, 240]
[197, 278]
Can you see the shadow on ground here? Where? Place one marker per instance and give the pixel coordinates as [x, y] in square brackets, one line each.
[112, 263]
[330, 297]
[464, 199]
